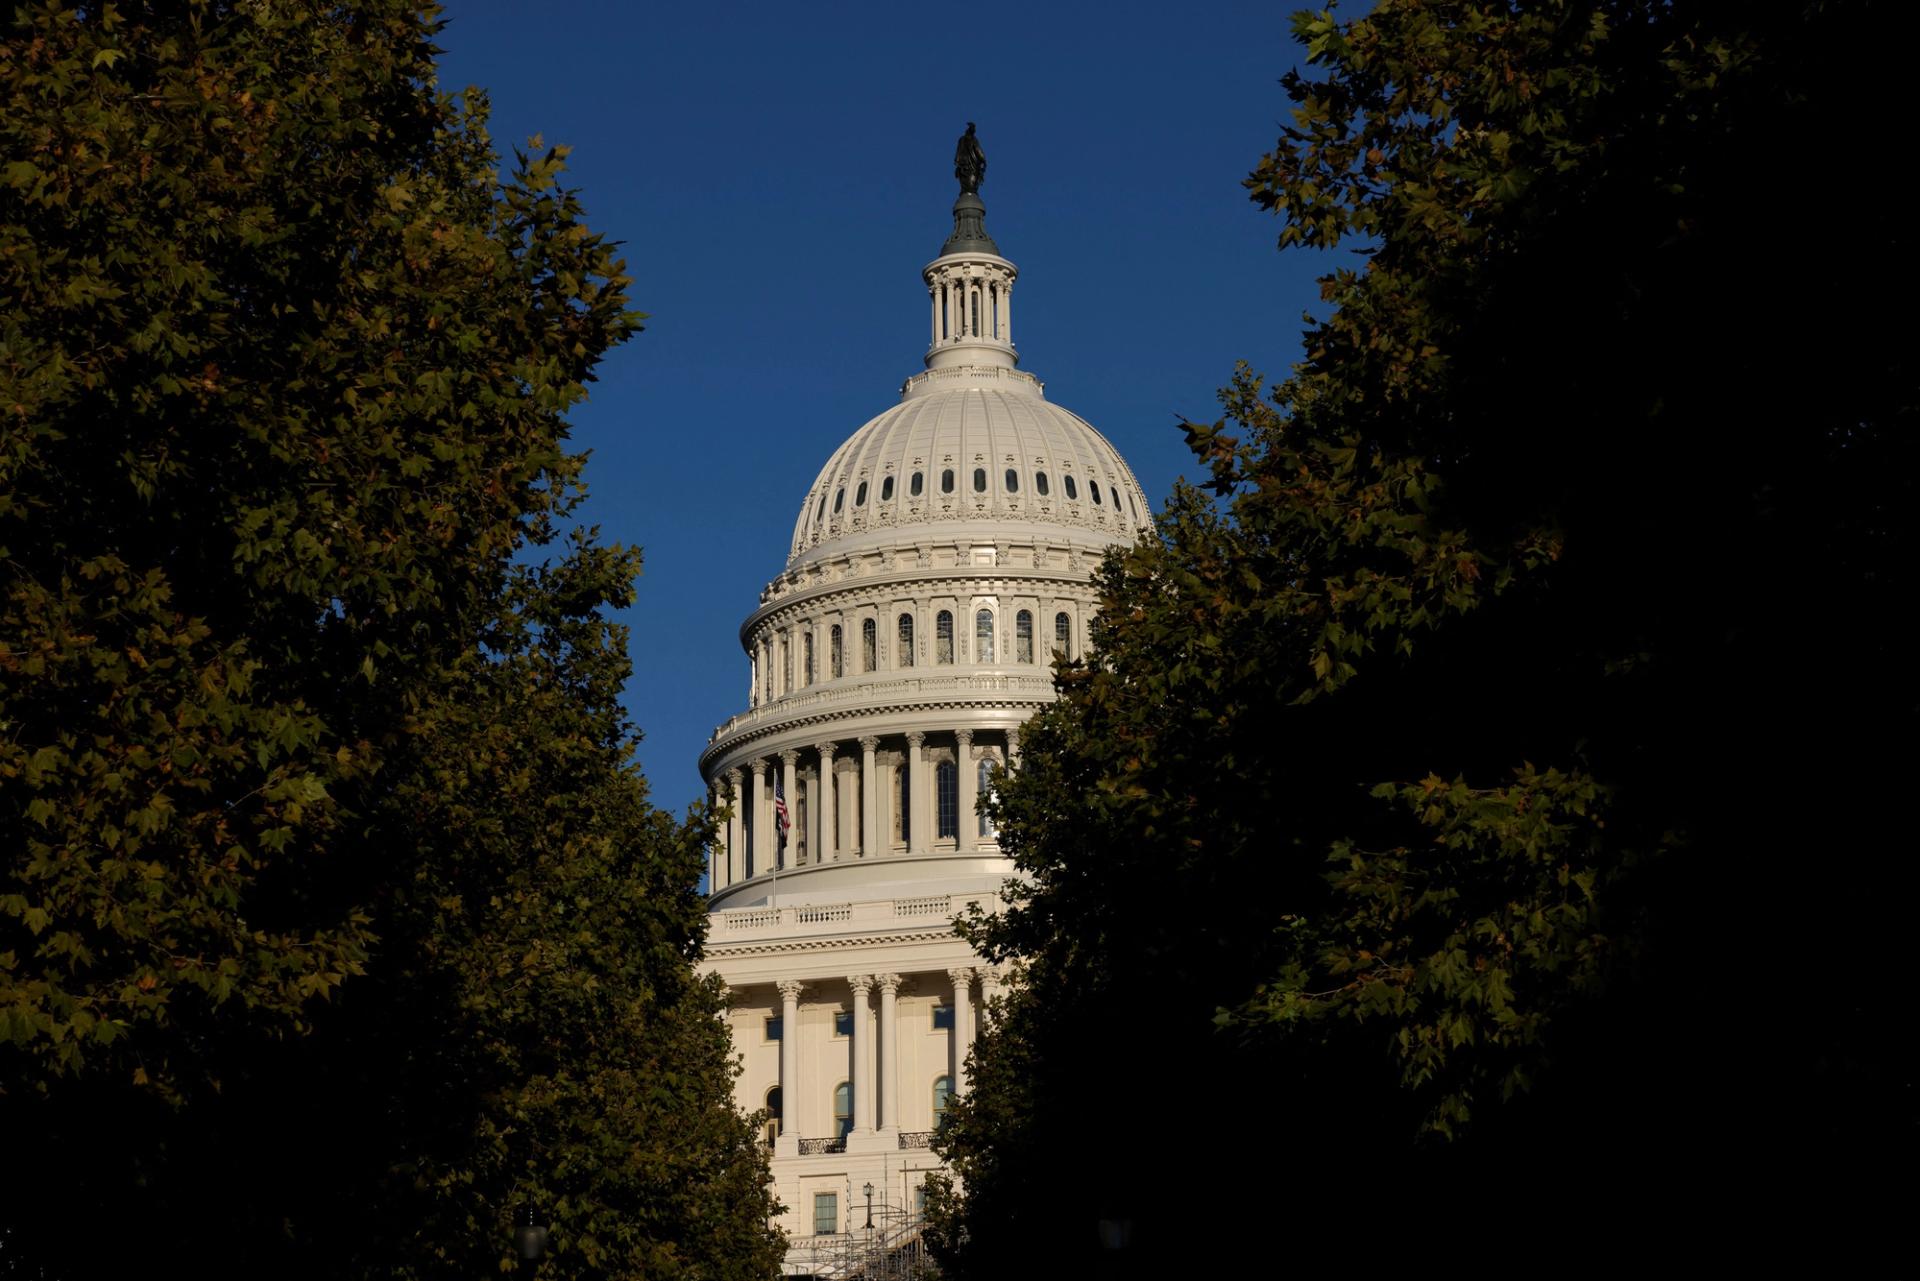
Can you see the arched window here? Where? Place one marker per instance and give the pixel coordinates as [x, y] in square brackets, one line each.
[839, 499]
[986, 785]
[1072, 492]
[905, 656]
[842, 1110]
[979, 480]
[1023, 637]
[807, 655]
[1093, 488]
[786, 666]
[983, 637]
[773, 1115]
[946, 481]
[822, 510]
[860, 495]
[942, 1096]
[902, 803]
[915, 485]
[869, 645]
[946, 786]
[943, 637]
[886, 490]
[1063, 635]
[1013, 481]
[1040, 483]
[835, 663]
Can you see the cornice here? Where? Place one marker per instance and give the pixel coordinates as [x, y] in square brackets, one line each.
[854, 709]
[823, 943]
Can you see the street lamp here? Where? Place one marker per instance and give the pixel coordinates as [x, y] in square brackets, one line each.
[529, 1238]
[869, 1191]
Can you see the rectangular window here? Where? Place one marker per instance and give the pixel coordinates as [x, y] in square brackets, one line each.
[843, 1022]
[773, 1027]
[946, 787]
[920, 1200]
[826, 1213]
[942, 1018]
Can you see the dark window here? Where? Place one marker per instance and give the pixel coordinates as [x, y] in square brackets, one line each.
[986, 785]
[843, 1022]
[942, 1095]
[869, 648]
[1063, 635]
[943, 1017]
[983, 637]
[860, 495]
[1093, 488]
[823, 507]
[773, 1115]
[886, 490]
[826, 1214]
[946, 786]
[979, 480]
[902, 805]
[842, 1112]
[1040, 483]
[1023, 637]
[1013, 481]
[946, 481]
[943, 637]
[914, 486]
[839, 500]
[835, 665]
[773, 1027]
[809, 657]
[1072, 491]
[906, 641]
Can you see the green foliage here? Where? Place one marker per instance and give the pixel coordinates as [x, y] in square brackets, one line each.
[1441, 787]
[334, 921]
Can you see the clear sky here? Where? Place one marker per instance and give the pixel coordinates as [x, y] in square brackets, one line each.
[779, 175]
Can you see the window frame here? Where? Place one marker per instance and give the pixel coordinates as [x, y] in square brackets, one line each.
[1023, 636]
[904, 626]
[830, 1201]
[943, 649]
[983, 637]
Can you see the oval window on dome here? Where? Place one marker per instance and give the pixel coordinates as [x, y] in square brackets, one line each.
[946, 481]
[860, 495]
[914, 486]
[886, 490]
[1073, 490]
[1093, 488]
[1040, 483]
[823, 506]
[839, 499]
[979, 480]
[1013, 481]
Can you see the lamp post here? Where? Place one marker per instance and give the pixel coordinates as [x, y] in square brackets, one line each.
[529, 1239]
[869, 1192]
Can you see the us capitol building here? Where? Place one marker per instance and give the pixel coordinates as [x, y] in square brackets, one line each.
[939, 560]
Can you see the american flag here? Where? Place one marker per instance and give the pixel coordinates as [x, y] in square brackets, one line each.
[781, 823]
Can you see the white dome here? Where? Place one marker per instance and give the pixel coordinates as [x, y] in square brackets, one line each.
[979, 451]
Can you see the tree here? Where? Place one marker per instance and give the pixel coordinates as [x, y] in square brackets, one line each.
[335, 922]
[1460, 793]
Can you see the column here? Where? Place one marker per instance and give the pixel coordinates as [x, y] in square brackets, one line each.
[917, 815]
[862, 1054]
[810, 783]
[889, 985]
[962, 1026]
[990, 988]
[718, 858]
[968, 771]
[788, 1144]
[1006, 313]
[1013, 746]
[828, 848]
[869, 800]
[933, 296]
[788, 760]
[736, 828]
[762, 846]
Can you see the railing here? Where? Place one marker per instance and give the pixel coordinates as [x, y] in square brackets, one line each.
[930, 905]
[750, 918]
[921, 912]
[913, 1140]
[818, 1147]
[824, 912]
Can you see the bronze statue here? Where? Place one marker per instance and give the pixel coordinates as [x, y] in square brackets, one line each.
[969, 163]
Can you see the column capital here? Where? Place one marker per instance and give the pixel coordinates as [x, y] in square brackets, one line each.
[860, 983]
[790, 756]
[964, 737]
[759, 767]
[963, 974]
[916, 739]
[733, 776]
[868, 742]
[826, 749]
[888, 982]
[790, 990]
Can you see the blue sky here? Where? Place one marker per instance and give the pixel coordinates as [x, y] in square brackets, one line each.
[779, 175]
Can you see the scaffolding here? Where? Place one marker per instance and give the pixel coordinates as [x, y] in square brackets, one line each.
[890, 1250]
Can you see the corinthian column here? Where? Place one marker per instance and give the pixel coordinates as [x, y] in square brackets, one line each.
[762, 846]
[788, 760]
[869, 800]
[917, 815]
[962, 1025]
[862, 1054]
[968, 771]
[828, 847]
[788, 1144]
[889, 985]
